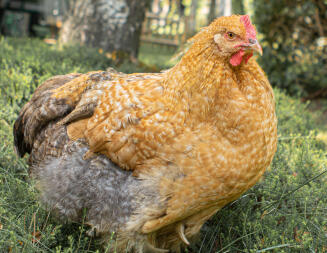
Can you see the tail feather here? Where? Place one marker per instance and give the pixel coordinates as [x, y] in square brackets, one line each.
[38, 112]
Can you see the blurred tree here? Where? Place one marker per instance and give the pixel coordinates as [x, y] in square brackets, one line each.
[295, 44]
[238, 7]
[212, 11]
[192, 20]
[219, 8]
[225, 7]
[113, 25]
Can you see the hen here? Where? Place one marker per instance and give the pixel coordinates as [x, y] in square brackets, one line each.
[151, 157]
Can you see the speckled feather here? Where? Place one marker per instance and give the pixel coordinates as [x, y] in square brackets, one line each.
[196, 136]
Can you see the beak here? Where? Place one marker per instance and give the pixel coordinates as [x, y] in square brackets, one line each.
[254, 46]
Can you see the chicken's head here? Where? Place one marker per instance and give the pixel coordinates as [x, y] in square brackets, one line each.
[233, 38]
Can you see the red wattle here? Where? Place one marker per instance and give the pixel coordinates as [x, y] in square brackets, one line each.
[236, 59]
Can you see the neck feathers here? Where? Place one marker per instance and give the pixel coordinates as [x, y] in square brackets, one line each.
[198, 79]
[203, 85]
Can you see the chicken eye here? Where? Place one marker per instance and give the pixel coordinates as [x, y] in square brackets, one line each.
[230, 35]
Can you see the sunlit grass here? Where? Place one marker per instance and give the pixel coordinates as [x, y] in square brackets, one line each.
[158, 55]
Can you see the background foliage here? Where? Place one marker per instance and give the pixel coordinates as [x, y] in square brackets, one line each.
[285, 212]
[295, 44]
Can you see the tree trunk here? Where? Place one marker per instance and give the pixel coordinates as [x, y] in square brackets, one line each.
[192, 24]
[225, 7]
[212, 11]
[238, 7]
[113, 25]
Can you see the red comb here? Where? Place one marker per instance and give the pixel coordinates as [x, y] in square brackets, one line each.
[250, 30]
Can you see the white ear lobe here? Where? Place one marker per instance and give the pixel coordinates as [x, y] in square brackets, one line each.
[217, 38]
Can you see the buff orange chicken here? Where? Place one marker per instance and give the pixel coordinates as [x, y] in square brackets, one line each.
[151, 157]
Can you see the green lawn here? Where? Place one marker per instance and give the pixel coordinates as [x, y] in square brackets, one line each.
[285, 212]
[160, 57]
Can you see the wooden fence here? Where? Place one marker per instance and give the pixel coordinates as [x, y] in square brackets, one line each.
[166, 23]
[164, 30]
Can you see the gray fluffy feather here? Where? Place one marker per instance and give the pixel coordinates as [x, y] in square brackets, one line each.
[69, 185]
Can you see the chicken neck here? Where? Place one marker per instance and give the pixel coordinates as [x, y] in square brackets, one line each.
[209, 90]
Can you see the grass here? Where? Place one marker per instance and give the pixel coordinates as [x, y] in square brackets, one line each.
[285, 212]
[157, 56]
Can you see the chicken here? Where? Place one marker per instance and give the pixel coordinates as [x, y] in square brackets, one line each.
[151, 157]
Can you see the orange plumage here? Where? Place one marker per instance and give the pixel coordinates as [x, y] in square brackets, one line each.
[200, 133]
